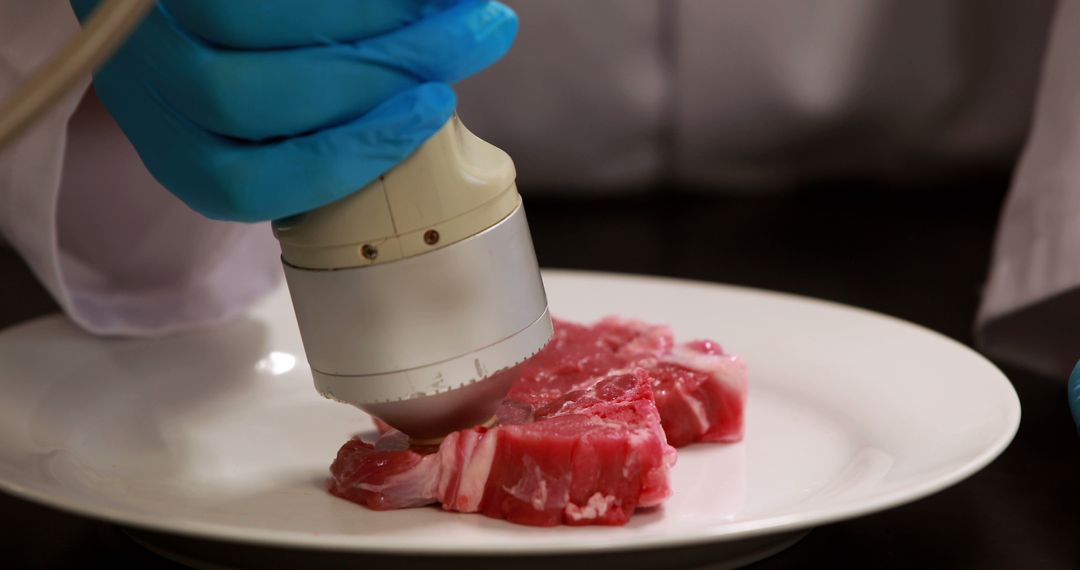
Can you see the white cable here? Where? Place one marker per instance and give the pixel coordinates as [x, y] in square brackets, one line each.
[105, 31]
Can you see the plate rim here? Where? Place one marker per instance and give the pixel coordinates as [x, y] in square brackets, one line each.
[720, 532]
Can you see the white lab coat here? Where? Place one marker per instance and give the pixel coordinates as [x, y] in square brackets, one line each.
[607, 95]
[119, 254]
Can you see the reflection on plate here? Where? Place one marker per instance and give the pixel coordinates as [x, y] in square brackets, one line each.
[219, 435]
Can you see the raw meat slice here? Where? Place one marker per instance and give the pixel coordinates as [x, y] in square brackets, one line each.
[700, 391]
[589, 456]
[584, 436]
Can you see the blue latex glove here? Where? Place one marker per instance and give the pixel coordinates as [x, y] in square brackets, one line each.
[253, 110]
[1074, 394]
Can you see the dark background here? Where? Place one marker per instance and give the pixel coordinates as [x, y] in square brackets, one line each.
[919, 254]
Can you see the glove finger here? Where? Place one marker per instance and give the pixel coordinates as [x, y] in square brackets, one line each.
[448, 46]
[258, 95]
[226, 179]
[345, 158]
[262, 24]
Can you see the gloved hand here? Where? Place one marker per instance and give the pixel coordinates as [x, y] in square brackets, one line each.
[259, 109]
[1074, 394]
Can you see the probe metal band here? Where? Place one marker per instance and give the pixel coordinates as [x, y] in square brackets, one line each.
[426, 324]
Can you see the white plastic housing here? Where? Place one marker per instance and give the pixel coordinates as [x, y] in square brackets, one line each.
[455, 184]
[412, 326]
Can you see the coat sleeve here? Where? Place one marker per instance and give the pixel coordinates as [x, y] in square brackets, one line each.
[1030, 312]
[119, 254]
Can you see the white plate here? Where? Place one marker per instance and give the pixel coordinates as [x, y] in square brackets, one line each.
[220, 435]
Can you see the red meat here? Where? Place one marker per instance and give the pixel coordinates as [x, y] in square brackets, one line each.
[700, 391]
[584, 436]
[591, 456]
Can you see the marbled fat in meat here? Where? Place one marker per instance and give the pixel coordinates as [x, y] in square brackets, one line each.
[699, 389]
[585, 435]
[591, 456]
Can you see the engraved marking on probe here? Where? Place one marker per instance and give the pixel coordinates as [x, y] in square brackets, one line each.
[471, 380]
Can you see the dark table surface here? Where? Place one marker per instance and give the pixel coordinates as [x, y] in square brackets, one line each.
[919, 255]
